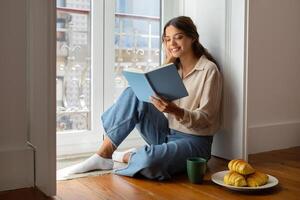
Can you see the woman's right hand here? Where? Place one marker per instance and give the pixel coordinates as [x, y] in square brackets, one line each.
[168, 55]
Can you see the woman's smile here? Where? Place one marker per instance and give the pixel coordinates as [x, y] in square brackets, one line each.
[175, 50]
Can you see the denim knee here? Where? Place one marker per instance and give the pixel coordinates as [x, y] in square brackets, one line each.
[129, 91]
[142, 106]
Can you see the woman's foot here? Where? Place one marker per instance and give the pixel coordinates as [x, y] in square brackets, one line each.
[92, 163]
[122, 156]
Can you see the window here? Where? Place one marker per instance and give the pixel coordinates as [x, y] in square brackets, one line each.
[79, 64]
[96, 40]
[73, 65]
[137, 37]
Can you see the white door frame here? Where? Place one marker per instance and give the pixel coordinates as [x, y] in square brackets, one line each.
[231, 143]
[41, 87]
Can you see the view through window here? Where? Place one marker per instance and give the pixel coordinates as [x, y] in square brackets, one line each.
[137, 38]
[73, 80]
[137, 45]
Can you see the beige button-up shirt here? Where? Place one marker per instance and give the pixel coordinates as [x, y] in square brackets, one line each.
[202, 107]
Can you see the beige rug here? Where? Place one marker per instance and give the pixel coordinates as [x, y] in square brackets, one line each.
[69, 162]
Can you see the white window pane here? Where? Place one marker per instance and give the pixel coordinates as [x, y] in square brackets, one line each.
[137, 38]
[73, 65]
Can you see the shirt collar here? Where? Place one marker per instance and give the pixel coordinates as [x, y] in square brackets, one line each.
[201, 63]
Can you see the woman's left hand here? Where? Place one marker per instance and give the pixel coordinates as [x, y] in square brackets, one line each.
[166, 106]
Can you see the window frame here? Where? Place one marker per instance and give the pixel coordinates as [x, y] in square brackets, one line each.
[102, 25]
[78, 142]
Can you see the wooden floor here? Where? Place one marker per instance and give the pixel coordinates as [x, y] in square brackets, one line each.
[283, 164]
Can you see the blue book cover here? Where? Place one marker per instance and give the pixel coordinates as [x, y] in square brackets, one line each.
[164, 81]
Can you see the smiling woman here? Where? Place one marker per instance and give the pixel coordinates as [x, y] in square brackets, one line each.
[189, 125]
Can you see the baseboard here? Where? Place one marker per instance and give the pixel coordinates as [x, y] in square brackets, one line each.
[267, 137]
[16, 168]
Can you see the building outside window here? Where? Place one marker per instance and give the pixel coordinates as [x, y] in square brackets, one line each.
[73, 71]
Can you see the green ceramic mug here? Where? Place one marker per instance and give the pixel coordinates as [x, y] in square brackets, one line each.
[196, 168]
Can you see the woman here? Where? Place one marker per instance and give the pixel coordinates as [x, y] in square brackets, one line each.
[190, 124]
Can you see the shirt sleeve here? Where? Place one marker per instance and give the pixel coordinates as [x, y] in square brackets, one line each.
[209, 105]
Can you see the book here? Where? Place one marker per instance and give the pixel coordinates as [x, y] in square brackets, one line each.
[163, 81]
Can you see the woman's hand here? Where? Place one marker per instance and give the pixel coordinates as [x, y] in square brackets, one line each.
[168, 55]
[167, 107]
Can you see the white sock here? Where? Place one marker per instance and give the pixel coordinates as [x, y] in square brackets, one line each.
[119, 155]
[92, 163]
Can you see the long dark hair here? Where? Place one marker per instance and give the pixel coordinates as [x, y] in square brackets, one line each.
[186, 25]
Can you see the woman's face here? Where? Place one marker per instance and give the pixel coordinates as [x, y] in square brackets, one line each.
[176, 42]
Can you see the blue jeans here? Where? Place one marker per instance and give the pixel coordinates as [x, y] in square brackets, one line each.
[167, 149]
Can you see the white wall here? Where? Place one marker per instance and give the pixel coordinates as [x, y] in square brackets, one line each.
[273, 73]
[210, 18]
[16, 168]
[221, 27]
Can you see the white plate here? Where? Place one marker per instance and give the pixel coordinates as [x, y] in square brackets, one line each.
[219, 177]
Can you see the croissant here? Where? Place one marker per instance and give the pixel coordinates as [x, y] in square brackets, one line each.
[241, 167]
[257, 179]
[235, 179]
